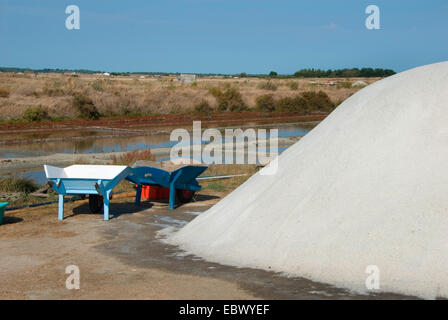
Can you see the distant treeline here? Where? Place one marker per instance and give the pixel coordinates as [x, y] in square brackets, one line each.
[344, 73]
[304, 73]
[46, 70]
[87, 71]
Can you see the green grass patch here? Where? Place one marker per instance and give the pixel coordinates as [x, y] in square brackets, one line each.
[216, 186]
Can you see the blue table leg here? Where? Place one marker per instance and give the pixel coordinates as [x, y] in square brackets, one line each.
[106, 205]
[61, 207]
[138, 195]
[173, 190]
[172, 196]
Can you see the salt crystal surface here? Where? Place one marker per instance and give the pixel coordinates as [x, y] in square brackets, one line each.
[367, 186]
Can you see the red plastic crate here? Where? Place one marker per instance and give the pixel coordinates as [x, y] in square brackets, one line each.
[155, 192]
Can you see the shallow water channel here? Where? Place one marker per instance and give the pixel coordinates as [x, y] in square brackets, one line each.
[101, 140]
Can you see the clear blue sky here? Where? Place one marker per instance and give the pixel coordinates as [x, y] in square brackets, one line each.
[222, 36]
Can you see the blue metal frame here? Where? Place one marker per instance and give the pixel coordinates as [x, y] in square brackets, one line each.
[183, 178]
[72, 186]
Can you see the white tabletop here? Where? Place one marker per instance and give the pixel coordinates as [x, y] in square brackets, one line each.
[77, 171]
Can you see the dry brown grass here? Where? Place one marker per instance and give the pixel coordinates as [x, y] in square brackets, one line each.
[130, 95]
[4, 93]
[129, 158]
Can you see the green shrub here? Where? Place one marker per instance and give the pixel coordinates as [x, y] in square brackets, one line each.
[297, 103]
[85, 107]
[4, 93]
[318, 100]
[35, 114]
[265, 103]
[345, 84]
[229, 100]
[203, 107]
[17, 184]
[307, 101]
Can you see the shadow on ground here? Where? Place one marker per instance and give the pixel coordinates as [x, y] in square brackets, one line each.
[116, 209]
[11, 220]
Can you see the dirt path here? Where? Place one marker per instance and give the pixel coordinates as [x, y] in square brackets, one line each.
[123, 258]
[36, 248]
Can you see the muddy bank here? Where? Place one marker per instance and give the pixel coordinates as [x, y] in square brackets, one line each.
[117, 124]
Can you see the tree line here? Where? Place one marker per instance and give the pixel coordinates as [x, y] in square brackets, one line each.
[303, 73]
[344, 73]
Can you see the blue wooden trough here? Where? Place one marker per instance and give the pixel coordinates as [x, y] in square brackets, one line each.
[95, 180]
[2, 210]
[181, 182]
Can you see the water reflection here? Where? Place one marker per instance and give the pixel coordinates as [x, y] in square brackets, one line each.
[95, 143]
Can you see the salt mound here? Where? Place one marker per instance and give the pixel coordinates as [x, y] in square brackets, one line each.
[367, 186]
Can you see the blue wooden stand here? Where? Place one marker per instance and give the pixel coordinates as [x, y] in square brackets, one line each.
[183, 179]
[78, 186]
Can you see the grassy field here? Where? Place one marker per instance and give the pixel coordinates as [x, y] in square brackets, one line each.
[39, 97]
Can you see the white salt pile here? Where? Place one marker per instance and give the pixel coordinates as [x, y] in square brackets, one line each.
[368, 186]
